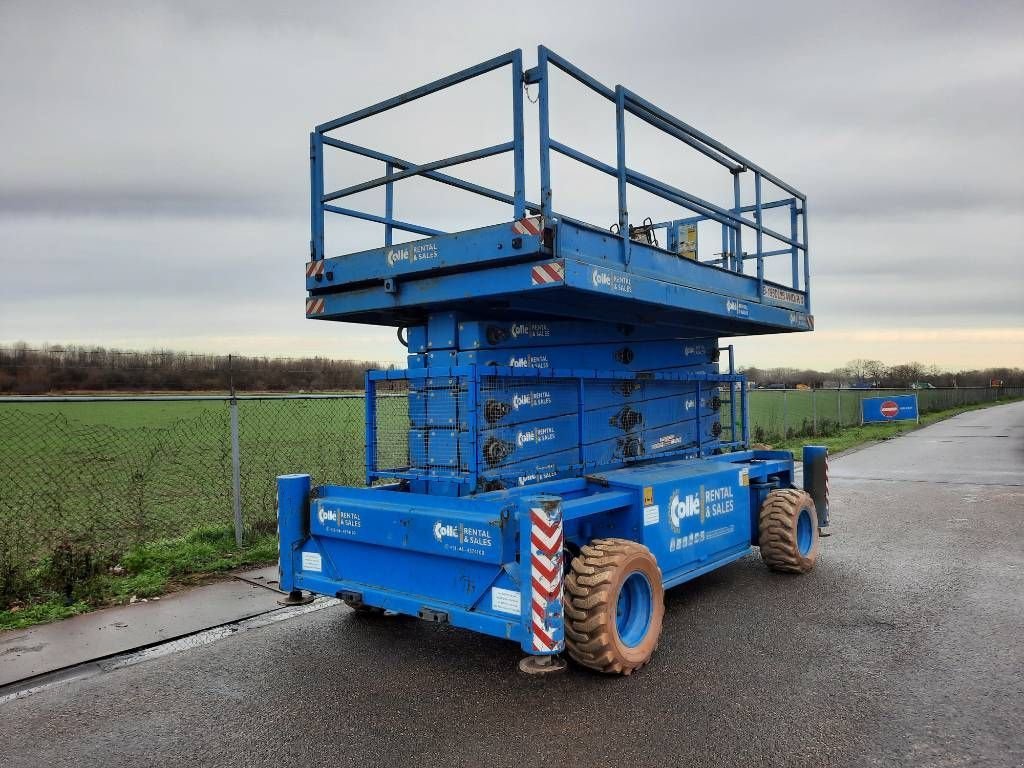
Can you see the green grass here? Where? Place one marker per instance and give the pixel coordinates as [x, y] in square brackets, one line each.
[145, 571]
[147, 485]
[847, 438]
[40, 613]
[110, 476]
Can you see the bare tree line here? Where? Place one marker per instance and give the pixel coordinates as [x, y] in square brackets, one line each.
[26, 370]
[59, 369]
[874, 373]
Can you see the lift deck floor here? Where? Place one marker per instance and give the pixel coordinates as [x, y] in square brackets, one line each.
[571, 270]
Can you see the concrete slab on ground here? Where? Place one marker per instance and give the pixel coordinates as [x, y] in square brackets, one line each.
[50, 647]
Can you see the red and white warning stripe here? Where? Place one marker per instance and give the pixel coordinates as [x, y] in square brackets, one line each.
[826, 479]
[549, 272]
[546, 623]
[315, 268]
[531, 225]
[314, 306]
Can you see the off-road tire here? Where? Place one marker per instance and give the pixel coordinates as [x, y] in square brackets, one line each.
[591, 595]
[777, 531]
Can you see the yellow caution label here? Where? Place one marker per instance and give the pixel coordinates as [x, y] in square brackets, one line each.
[648, 495]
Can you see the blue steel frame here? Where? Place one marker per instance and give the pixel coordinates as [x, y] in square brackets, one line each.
[732, 220]
[472, 374]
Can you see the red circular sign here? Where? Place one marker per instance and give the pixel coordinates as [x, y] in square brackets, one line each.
[889, 409]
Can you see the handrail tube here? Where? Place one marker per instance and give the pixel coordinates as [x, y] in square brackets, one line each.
[686, 202]
[778, 252]
[742, 209]
[417, 170]
[671, 130]
[578, 74]
[417, 93]
[403, 225]
[725, 216]
[444, 178]
[641, 103]
[575, 154]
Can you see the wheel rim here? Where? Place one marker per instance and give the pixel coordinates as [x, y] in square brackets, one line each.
[804, 532]
[633, 609]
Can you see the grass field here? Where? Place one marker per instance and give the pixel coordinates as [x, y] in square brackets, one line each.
[84, 483]
[89, 480]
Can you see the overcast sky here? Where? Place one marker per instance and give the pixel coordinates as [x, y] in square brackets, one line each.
[154, 164]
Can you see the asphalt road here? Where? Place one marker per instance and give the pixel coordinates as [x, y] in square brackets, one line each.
[904, 647]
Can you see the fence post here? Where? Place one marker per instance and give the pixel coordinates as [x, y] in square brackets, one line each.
[839, 407]
[236, 471]
[785, 431]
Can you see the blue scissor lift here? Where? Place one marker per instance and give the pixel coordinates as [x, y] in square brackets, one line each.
[567, 441]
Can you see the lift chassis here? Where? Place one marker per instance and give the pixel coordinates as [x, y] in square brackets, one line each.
[495, 563]
[567, 441]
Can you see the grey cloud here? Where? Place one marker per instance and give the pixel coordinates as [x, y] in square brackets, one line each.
[164, 145]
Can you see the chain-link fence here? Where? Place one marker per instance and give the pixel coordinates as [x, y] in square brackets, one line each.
[98, 476]
[779, 414]
[101, 475]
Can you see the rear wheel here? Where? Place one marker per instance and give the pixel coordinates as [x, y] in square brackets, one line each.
[788, 531]
[614, 605]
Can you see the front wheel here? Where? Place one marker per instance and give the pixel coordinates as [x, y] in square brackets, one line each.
[614, 605]
[788, 531]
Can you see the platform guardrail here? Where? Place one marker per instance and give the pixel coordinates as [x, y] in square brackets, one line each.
[732, 218]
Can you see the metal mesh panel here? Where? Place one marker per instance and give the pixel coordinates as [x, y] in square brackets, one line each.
[391, 432]
[506, 400]
[438, 444]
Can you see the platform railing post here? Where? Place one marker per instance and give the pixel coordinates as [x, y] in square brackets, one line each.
[389, 204]
[760, 233]
[620, 153]
[807, 257]
[737, 200]
[316, 184]
[544, 132]
[518, 156]
[794, 251]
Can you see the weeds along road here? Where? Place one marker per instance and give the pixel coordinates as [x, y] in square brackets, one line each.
[902, 648]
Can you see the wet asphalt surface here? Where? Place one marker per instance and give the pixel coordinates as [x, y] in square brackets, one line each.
[904, 647]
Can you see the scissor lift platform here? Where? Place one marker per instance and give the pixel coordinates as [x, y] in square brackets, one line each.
[544, 263]
[564, 444]
[538, 268]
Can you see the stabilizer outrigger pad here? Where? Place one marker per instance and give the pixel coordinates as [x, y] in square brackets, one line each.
[295, 597]
[542, 665]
